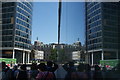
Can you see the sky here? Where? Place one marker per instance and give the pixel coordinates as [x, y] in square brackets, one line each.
[45, 22]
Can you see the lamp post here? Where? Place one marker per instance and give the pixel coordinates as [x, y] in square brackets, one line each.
[59, 22]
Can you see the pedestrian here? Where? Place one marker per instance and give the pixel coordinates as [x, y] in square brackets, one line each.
[51, 66]
[81, 72]
[6, 73]
[1, 71]
[97, 75]
[60, 73]
[88, 71]
[22, 74]
[70, 68]
[14, 72]
[43, 74]
[33, 72]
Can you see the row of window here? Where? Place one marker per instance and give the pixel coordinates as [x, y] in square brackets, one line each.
[10, 38]
[24, 18]
[95, 29]
[24, 12]
[6, 21]
[7, 38]
[22, 45]
[94, 35]
[23, 34]
[8, 4]
[111, 29]
[7, 15]
[90, 4]
[110, 46]
[7, 44]
[111, 11]
[110, 23]
[93, 8]
[23, 29]
[110, 40]
[7, 26]
[23, 23]
[90, 15]
[98, 40]
[25, 8]
[7, 32]
[94, 19]
[95, 46]
[111, 6]
[28, 4]
[110, 17]
[94, 24]
[8, 9]
[17, 38]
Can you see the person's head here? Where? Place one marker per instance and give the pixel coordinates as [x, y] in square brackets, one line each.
[34, 66]
[42, 67]
[3, 65]
[87, 67]
[49, 63]
[71, 64]
[97, 68]
[23, 67]
[15, 67]
[81, 67]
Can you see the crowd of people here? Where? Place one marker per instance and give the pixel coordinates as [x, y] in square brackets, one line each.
[52, 71]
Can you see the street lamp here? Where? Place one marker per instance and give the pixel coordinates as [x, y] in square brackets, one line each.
[59, 22]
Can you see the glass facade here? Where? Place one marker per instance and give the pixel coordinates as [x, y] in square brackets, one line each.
[16, 24]
[16, 28]
[102, 30]
[93, 25]
[7, 24]
[23, 25]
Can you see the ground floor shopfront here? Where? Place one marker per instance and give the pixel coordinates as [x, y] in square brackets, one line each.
[94, 56]
[21, 55]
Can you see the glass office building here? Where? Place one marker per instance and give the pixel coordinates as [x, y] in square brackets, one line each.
[16, 30]
[102, 31]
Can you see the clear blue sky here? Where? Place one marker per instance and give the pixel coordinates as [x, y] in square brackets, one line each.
[45, 22]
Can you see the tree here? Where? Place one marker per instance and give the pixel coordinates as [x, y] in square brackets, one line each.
[53, 55]
[62, 56]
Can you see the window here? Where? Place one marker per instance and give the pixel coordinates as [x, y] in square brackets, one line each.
[7, 32]
[7, 44]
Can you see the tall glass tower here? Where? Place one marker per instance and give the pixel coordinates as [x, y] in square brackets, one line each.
[16, 30]
[102, 31]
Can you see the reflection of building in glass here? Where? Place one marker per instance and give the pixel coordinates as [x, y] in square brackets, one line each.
[16, 30]
[102, 31]
[64, 49]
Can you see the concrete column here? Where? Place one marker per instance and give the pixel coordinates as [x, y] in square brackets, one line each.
[92, 58]
[28, 57]
[23, 57]
[102, 55]
[88, 58]
[13, 54]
